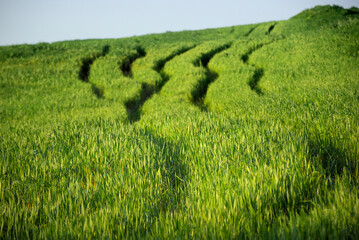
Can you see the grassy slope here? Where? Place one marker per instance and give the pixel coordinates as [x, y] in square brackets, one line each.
[269, 150]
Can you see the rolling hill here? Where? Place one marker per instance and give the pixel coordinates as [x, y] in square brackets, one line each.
[239, 132]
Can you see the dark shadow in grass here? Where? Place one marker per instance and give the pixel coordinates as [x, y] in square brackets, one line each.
[200, 91]
[270, 28]
[253, 82]
[258, 72]
[97, 91]
[105, 50]
[126, 65]
[206, 57]
[87, 62]
[352, 11]
[160, 65]
[250, 31]
[168, 198]
[174, 174]
[85, 70]
[246, 55]
[134, 105]
[332, 159]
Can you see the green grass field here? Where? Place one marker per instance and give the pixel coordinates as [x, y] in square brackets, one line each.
[239, 132]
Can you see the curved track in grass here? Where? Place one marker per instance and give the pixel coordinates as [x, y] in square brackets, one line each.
[86, 67]
[199, 94]
[134, 105]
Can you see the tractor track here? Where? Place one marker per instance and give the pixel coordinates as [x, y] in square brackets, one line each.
[258, 71]
[270, 29]
[86, 68]
[199, 93]
[126, 65]
[250, 31]
[134, 105]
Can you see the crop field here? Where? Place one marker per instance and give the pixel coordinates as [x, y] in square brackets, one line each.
[235, 133]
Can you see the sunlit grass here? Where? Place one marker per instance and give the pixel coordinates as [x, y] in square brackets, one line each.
[272, 151]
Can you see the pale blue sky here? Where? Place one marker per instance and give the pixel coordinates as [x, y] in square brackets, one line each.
[33, 21]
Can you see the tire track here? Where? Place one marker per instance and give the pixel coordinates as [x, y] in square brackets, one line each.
[199, 93]
[161, 64]
[253, 83]
[134, 105]
[174, 174]
[86, 67]
[126, 65]
[258, 72]
[271, 27]
[250, 31]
